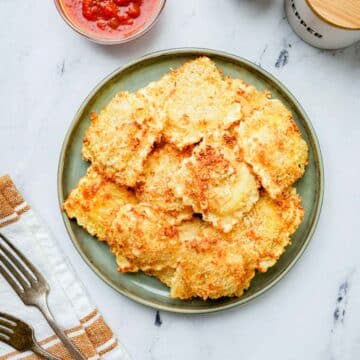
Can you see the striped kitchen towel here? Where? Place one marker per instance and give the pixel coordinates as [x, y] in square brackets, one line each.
[67, 299]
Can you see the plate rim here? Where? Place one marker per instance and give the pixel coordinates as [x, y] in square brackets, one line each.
[210, 53]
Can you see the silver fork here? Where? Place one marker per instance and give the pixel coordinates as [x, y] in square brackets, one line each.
[31, 287]
[20, 336]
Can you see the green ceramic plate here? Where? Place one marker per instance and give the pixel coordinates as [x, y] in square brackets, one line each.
[148, 290]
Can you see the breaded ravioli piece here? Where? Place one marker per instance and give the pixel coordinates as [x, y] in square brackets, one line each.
[192, 142]
[200, 102]
[146, 236]
[120, 138]
[157, 92]
[94, 204]
[165, 275]
[273, 146]
[249, 97]
[154, 188]
[270, 224]
[216, 182]
[95, 201]
[210, 266]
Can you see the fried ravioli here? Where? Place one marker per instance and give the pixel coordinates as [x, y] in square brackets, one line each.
[95, 201]
[94, 204]
[192, 142]
[165, 275]
[210, 266]
[248, 96]
[272, 145]
[146, 236]
[216, 182]
[157, 92]
[120, 138]
[154, 187]
[269, 226]
[200, 102]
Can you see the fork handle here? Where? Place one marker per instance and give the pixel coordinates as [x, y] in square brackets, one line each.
[71, 348]
[39, 351]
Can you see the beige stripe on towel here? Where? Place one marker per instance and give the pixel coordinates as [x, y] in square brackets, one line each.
[93, 337]
[11, 194]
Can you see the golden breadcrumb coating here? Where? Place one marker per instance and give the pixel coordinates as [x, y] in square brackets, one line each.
[192, 142]
[94, 204]
[95, 201]
[165, 275]
[201, 101]
[216, 182]
[146, 236]
[119, 139]
[157, 92]
[154, 188]
[211, 266]
[270, 224]
[249, 97]
[273, 146]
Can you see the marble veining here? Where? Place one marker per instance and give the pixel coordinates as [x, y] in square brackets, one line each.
[262, 55]
[341, 302]
[158, 321]
[282, 59]
[337, 341]
[61, 68]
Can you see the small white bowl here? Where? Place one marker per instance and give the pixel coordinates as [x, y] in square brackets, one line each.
[111, 41]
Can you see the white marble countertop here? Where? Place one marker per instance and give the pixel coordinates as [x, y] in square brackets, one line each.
[313, 313]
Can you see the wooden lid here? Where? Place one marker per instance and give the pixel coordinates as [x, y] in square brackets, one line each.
[341, 13]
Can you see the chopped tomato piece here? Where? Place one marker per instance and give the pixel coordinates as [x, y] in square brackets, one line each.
[122, 2]
[108, 10]
[101, 25]
[114, 23]
[111, 17]
[134, 10]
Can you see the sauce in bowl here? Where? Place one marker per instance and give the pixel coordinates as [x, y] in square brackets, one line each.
[110, 19]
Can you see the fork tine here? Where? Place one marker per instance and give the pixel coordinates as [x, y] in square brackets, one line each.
[7, 323]
[13, 271]
[4, 338]
[21, 269]
[34, 270]
[5, 330]
[11, 281]
[8, 318]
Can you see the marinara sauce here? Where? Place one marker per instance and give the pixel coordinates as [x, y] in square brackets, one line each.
[110, 18]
